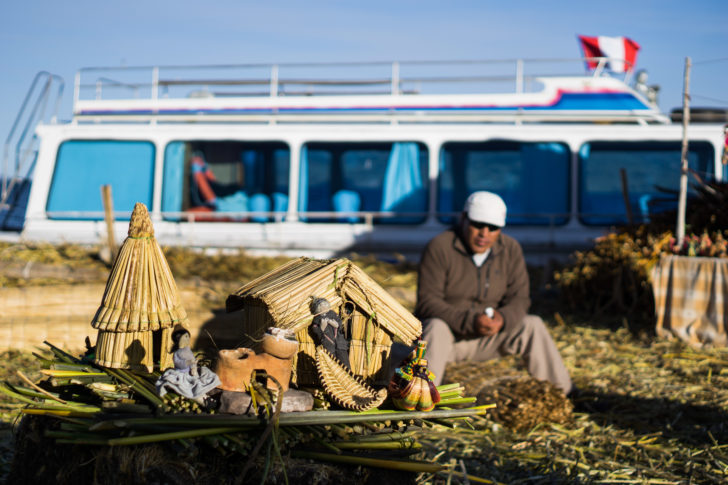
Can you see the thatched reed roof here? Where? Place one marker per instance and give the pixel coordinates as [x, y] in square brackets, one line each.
[286, 293]
[140, 294]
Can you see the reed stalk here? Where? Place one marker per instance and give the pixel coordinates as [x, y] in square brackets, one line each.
[140, 380]
[391, 436]
[377, 445]
[33, 393]
[62, 354]
[69, 426]
[408, 466]
[141, 388]
[48, 405]
[82, 441]
[311, 418]
[466, 477]
[71, 373]
[70, 435]
[54, 364]
[65, 381]
[110, 395]
[449, 387]
[454, 393]
[174, 435]
[59, 413]
[327, 444]
[456, 401]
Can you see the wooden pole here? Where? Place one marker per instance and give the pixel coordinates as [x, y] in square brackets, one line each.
[625, 195]
[682, 201]
[109, 217]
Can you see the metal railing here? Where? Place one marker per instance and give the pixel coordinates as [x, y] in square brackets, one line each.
[394, 78]
[554, 220]
[32, 112]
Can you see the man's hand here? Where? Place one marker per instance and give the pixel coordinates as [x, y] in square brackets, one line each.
[488, 326]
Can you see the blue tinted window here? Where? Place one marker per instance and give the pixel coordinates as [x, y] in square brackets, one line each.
[370, 177]
[652, 172]
[82, 167]
[532, 179]
[225, 176]
[319, 175]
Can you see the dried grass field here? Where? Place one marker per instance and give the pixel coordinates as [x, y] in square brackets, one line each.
[650, 411]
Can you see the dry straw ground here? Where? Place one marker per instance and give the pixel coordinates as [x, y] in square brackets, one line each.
[650, 411]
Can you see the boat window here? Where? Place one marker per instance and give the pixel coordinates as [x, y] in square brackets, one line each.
[225, 180]
[652, 173]
[385, 179]
[532, 179]
[83, 166]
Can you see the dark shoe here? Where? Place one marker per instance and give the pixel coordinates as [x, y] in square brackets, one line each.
[574, 393]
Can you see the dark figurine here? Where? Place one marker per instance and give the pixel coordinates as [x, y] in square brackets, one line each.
[186, 378]
[328, 330]
[90, 354]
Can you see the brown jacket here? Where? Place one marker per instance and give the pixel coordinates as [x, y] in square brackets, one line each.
[451, 287]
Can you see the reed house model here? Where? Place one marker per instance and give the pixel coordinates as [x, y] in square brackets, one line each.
[372, 319]
[141, 305]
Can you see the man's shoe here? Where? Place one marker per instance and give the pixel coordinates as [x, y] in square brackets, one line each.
[574, 393]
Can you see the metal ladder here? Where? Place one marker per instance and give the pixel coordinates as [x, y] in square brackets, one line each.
[18, 166]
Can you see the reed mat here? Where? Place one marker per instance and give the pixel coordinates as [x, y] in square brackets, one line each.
[648, 412]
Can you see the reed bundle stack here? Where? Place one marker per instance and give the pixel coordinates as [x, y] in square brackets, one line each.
[523, 402]
[141, 304]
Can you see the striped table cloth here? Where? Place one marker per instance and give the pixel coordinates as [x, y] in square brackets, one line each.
[691, 299]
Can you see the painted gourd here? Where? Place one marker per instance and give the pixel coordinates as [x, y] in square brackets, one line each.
[412, 387]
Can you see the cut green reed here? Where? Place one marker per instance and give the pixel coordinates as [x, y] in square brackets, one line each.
[125, 417]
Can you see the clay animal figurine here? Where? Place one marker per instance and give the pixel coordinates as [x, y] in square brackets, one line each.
[412, 385]
[186, 378]
[235, 366]
[328, 330]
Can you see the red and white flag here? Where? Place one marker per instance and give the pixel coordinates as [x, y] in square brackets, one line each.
[621, 51]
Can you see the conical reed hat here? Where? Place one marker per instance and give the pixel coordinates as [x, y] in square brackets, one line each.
[141, 294]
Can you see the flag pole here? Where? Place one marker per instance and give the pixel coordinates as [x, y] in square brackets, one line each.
[682, 201]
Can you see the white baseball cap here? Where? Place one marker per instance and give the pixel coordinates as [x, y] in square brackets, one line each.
[486, 207]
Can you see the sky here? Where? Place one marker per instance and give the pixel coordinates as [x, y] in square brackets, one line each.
[61, 37]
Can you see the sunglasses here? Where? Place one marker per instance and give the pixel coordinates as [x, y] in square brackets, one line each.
[480, 225]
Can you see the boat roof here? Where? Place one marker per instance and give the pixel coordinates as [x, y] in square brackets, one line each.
[408, 92]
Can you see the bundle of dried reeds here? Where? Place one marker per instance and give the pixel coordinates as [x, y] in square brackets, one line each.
[132, 414]
[523, 402]
[141, 298]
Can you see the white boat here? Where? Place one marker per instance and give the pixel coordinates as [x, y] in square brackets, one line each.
[322, 159]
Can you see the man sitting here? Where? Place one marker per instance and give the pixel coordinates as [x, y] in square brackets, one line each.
[473, 295]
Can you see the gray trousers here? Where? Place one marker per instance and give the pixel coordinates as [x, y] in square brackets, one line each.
[531, 340]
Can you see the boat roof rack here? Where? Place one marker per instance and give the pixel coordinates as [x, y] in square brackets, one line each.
[468, 90]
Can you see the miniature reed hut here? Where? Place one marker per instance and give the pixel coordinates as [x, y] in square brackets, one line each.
[141, 305]
[372, 318]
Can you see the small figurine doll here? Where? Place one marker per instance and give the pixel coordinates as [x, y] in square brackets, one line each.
[412, 385]
[186, 378]
[328, 330]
